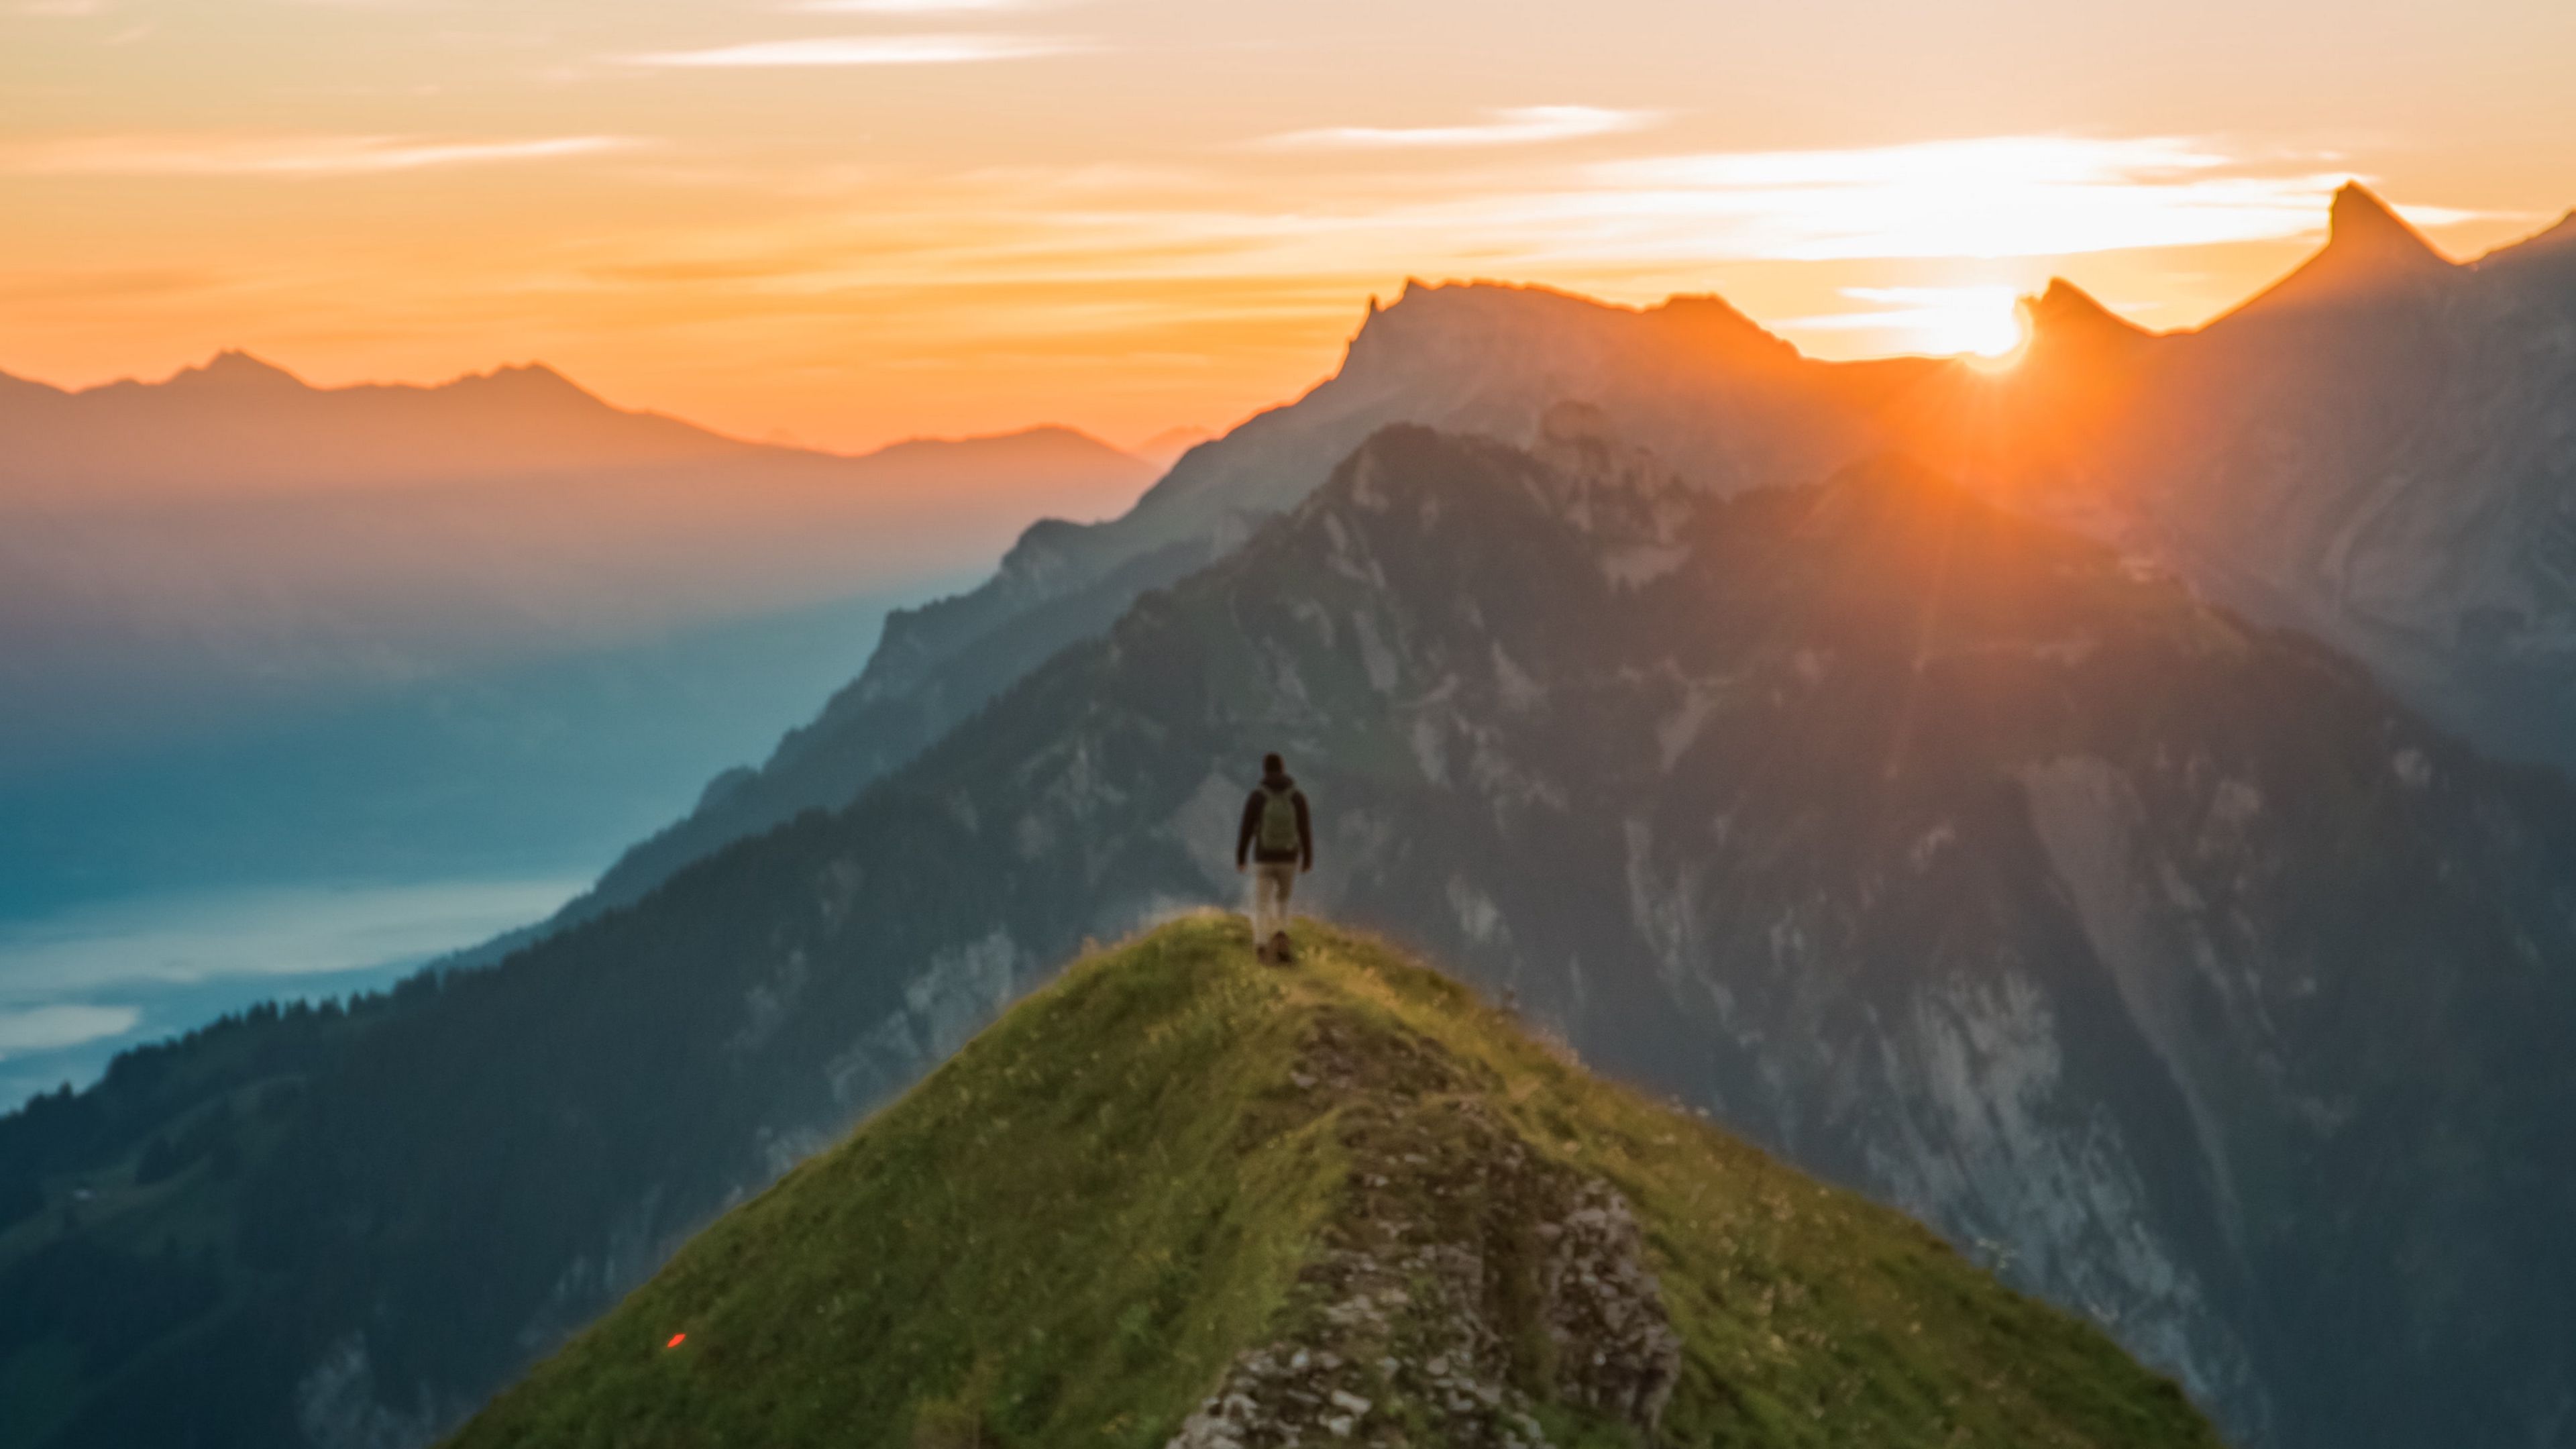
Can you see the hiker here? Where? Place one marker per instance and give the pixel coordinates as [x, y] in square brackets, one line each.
[1280, 838]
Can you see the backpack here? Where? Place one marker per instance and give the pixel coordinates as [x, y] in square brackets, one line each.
[1279, 822]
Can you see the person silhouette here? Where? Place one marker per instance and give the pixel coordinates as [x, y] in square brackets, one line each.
[1278, 835]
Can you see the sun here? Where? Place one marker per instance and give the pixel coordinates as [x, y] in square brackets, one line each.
[1979, 323]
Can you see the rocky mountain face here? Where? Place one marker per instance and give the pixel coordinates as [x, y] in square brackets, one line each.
[1348, 1202]
[2165, 963]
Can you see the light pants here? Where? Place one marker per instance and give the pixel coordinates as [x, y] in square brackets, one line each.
[1272, 880]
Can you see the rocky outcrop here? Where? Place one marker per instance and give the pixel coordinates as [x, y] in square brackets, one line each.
[1465, 1281]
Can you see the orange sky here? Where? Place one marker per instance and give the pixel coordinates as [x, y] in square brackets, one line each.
[847, 221]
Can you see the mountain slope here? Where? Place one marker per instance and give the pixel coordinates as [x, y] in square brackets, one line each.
[1341, 1200]
[2163, 961]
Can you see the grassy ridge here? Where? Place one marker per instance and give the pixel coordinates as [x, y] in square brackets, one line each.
[1067, 1233]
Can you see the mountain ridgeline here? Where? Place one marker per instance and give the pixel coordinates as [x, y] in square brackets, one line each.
[1343, 1201]
[1959, 782]
[233, 544]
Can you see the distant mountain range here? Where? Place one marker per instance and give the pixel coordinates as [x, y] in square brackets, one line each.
[232, 542]
[1902, 760]
[253, 631]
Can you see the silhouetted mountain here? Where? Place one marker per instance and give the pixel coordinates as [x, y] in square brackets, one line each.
[238, 423]
[2066, 324]
[232, 541]
[1497, 1248]
[2369, 250]
[2164, 962]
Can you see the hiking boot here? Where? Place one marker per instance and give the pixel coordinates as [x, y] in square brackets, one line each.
[1280, 951]
[1261, 952]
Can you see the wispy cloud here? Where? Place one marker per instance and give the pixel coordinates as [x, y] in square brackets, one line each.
[1628, 226]
[846, 50]
[1512, 126]
[283, 156]
[50, 1028]
[918, 7]
[1993, 196]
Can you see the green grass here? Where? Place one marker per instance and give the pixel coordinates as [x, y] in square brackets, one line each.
[1066, 1234]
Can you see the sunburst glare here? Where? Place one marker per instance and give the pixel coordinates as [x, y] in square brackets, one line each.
[1978, 320]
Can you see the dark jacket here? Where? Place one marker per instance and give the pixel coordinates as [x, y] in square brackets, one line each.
[1304, 854]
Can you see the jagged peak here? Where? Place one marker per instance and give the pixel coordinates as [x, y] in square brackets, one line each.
[2066, 307]
[2370, 250]
[1708, 317]
[1475, 313]
[2065, 316]
[233, 367]
[534, 379]
[2359, 221]
[1441, 314]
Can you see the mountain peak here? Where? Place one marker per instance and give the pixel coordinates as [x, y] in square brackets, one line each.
[531, 380]
[2360, 222]
[2066, 312]
[234, 368]
[1711, 323]
[2370, 252]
